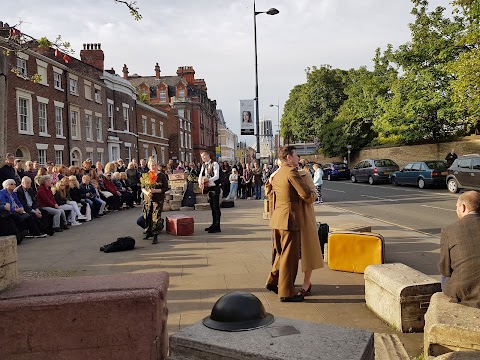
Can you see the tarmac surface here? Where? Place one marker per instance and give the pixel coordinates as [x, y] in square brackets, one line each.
[203, 267]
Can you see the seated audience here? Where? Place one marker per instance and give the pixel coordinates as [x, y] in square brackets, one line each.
[96, 196]
[76, 200]
[121, 186]
[88, 193]
[116, 202]
[7, 224]
[47, 202]
[460, 252]
[61, 197]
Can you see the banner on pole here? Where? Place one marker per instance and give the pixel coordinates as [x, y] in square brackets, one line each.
[246, 117]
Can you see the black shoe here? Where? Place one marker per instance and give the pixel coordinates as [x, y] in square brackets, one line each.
[294, 298]
[209, 228]
[155, 239]
[51, 232]
[215, 229]
[147, 236]
[272, 287]
[20, 236]
[57, 229]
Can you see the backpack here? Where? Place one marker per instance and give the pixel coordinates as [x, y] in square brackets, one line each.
[121, 244]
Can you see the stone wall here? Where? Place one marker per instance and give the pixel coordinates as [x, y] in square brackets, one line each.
[405, 154]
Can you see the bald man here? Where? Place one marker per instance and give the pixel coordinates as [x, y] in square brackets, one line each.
[460, 252]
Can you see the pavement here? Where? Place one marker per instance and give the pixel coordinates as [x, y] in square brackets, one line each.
[203, 267]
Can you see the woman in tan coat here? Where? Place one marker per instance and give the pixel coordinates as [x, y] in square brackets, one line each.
[311, 254]
[310, 245]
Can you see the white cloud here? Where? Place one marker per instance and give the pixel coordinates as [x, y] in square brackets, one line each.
[216, 38]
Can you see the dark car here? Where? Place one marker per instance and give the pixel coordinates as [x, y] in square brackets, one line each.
[373, 170]
[422, 174]
[335, 171]
[464, 173]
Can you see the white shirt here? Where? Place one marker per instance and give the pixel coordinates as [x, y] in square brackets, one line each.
[216, 173]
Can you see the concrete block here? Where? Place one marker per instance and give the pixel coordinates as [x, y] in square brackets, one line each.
[196, 188]
[8, 261]
[187, 208]
[203, 206]
[201, 199]
[168, 197]
[175, 205]
[450, 327]
[459, 355]
[266, 216]
[166, 206]
[177, 183]
[399, 295]
[178, 197]
[284, 339]
[389, 347]
[86, 317]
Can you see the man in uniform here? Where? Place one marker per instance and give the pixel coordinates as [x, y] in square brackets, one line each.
[288, 190]
[209, 179]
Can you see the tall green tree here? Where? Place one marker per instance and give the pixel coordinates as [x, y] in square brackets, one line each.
[421, 107]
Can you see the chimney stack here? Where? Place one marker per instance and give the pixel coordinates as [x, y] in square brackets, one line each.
[188, 73]
[125, 71]
[157, 71]
[92, 54]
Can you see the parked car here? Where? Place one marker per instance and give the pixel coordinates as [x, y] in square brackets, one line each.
[422, 174]
[335, 171]
[373, 170]
[464, 173]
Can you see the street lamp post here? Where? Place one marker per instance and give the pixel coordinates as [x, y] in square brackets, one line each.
[349, 150]
[271, 11]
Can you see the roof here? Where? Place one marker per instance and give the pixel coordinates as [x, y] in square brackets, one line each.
[152, 80]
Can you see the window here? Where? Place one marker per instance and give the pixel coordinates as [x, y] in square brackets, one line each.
[476, 164]
[129, 154]
[58, 157]
[416, 167]
[42, 118]
[58, 121]
[189, 129]
[42, 156]
[75, 124]
[57, 81]
[186, 140]
[161, 129]
[88, 90]
[98, 95]
[99, 128]
[110, 113]
[42, 71]
[189, 114]
[24, 112]
[22, 66]
[163, 95]
[89, 154]
[181, 113]
[145, 150]
[144, 124]
[125, 116]
[464, 163]
[162, 155]
[181, 93]
[100, 156]
[154, 128]
[181, 139]
[73, 87]
[153, 92]
[88, 127]
[189, 141]
[181, 123]
[408, 167]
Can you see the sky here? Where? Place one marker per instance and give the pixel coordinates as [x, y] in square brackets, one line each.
[216, 38]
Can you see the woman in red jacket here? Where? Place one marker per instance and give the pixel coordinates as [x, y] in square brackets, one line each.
[47, 202]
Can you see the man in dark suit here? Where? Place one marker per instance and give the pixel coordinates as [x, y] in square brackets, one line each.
[28, 198]
[209, 180]
[288, 190]
[460, 252]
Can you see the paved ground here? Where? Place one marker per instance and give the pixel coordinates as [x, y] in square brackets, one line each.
[202, 268]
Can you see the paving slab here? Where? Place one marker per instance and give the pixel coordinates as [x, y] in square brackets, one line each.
[204, 265]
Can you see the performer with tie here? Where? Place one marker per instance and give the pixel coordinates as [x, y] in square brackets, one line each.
[209, 181]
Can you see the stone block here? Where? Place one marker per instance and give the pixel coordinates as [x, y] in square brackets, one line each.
[201, 199]
[86, 317]
[175, 205]
[166, 206]
[284, 339]
[459, 355]
[177, 197]
[202, 206]
[450, 327]
[352, 227]
[177, 183]
[187, 208]
[168, 197]
[8, 261]
[196, 188]
[399, 295]
[266, 216]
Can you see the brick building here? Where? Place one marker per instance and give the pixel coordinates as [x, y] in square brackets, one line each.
[77, 111]
[186, 102]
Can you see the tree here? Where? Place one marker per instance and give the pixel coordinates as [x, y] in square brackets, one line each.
[421, 107]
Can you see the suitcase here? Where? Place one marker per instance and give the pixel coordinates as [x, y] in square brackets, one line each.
[227, 204]
[323, 230]
[180, 225]
[353, 252]
[181, 176]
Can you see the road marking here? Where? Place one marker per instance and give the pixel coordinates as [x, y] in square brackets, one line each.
[436, 207]
[378, 198]
[340, 191]
[397, 188]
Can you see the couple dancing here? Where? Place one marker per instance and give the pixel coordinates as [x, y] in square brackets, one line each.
[294, 229]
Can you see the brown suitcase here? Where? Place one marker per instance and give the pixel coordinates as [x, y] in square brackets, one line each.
[180, 225]
[181, 176]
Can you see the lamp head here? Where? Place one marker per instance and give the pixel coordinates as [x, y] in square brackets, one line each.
[272, 11]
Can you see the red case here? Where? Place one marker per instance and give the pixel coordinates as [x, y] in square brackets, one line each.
[180, 225]
[181, 176]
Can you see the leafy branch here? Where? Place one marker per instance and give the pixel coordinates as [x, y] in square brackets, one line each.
[131, 5]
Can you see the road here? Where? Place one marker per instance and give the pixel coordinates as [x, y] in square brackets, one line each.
[426, 210]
